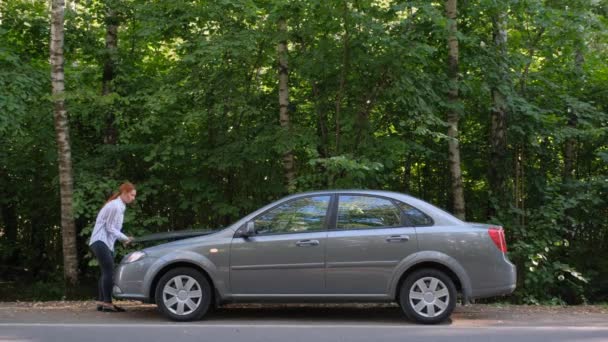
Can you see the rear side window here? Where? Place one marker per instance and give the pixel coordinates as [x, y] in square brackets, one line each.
[414, 216]
[364, 212]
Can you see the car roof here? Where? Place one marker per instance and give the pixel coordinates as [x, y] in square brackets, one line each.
[359, 191]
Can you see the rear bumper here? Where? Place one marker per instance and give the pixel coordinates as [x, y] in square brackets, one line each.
[507, 286]
[492, 292]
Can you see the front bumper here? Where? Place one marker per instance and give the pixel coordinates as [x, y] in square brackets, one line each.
[129, 280]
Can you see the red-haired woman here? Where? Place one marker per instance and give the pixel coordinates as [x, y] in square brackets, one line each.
[107, 230]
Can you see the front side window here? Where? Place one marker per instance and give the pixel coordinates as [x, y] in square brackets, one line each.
[361, 212]
[297, 216]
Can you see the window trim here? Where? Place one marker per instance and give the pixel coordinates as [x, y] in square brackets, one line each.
[324, 225]
[334, 223]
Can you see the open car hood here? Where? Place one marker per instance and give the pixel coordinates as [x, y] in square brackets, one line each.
[173, 236]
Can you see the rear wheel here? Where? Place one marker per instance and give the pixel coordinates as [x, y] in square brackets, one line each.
[428, 296]
[183, 294]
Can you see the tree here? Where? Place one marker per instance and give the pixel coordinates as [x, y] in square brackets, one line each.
[498, 116]
[196, 89]
[454, 107]
[109, 70]
[68, 229]
[288, 160]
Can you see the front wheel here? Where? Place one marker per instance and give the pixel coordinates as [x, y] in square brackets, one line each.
[183, 294]
[427, 296]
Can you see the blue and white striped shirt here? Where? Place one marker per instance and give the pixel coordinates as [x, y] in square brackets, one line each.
[109, 224]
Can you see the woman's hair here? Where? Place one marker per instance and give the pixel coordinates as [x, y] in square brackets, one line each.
[124, 188]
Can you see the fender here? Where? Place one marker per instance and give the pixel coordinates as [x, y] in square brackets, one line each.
[187, 257]
[430, 256]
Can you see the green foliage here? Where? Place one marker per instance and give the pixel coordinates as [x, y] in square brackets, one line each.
[555, 232]
[339, 172]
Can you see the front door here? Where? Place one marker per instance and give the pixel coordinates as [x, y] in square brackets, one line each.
[368, 241]
[287, 253]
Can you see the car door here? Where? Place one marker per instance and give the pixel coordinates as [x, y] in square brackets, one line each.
[367, 242]
[287, 253]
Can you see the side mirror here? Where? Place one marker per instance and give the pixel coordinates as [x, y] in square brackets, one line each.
[247, 230]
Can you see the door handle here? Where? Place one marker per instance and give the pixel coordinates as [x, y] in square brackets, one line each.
[307, 243]
[398, 238]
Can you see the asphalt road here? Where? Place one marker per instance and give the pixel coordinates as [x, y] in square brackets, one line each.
[294, 324]
[295, 332]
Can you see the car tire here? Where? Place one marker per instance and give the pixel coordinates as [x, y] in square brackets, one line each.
[183, 294]
[427, 296]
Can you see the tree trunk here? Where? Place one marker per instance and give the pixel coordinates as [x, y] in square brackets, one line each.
[109, 70]
[407, 174]
[288, 162]
[570, 150]
[343, 73]
[498, 128]
[9, 223]
[367, 104]
[9, 219]
[8, 209]
[520, 184]
[68, 230]
[453, 115]
[523, 82]
[569, 171]
[322, 132]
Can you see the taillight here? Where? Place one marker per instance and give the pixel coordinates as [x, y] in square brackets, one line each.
[497, 234]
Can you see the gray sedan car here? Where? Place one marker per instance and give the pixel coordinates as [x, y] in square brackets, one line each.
[326, 246]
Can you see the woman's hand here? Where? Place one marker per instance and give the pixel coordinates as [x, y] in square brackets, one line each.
[128, 241]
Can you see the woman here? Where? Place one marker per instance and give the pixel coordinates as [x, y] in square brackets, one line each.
[107, 230]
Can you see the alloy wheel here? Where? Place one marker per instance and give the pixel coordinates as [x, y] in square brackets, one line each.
[429, 297]
[182, 295]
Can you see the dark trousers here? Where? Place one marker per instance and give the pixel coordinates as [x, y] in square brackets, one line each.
[105, 257]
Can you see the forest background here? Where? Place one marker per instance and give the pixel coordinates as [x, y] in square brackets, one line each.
[493, 110]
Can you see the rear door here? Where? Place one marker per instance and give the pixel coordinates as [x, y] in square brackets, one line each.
[287, 255]
[367, 242]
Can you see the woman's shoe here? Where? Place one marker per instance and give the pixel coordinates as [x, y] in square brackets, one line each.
[118, 308]
[99, 307]
[105, 308]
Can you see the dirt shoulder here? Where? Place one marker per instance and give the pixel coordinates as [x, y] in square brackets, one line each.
[63, 312]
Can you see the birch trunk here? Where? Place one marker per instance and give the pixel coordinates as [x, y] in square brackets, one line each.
[68, 229]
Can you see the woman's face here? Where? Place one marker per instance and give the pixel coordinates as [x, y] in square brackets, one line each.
[128, 197]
